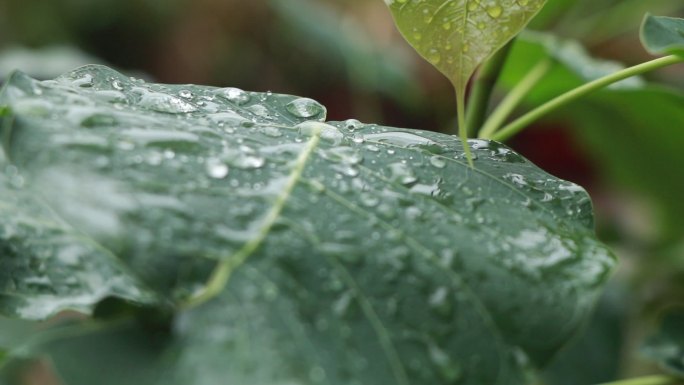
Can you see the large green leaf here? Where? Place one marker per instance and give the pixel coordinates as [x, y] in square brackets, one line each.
[335, 253]
[663, 35]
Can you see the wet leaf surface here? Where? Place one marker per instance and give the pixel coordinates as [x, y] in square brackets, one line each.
[335, 253]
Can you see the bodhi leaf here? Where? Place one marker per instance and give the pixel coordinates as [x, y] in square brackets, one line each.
[456, 36]
[667, 346]
[292, 251]
[663, 35]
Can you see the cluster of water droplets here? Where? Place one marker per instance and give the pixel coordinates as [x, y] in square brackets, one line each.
[364, 232]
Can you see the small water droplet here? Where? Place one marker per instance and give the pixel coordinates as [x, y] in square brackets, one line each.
[161, 102]
[495, 11]
[437, 161]
[271, 131]
[327, 132]
[402, 173]
[98, 120]
[304, 108]
[234, 95]
[352, 124]
[434, 56]
[259, 110]
[86, 81]
[216, 169]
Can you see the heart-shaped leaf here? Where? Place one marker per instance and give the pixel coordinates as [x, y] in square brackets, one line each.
[458, 36]
[292, 251]
[663, 35]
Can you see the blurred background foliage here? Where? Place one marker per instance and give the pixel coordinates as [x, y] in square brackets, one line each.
[626, 145]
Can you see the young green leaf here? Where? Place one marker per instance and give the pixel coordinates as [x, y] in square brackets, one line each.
[296, 251]
[667, 346]
[663, 35]
[458, 36]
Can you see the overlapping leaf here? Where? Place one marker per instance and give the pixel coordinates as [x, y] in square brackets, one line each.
[663, 35]
[338, 253]
[622, 114]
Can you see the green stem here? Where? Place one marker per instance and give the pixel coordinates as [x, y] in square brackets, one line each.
[513, 99]
[463, 132]
[650, 380]
[483, 88]
[570, 96]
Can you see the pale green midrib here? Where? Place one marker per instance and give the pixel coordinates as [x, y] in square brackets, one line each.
[431, 256]
[221, 274]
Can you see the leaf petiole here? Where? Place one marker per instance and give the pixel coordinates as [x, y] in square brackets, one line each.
[482, 89]
[513, 99]
[521, 123]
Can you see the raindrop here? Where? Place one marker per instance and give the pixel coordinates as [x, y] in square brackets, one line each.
[402, 173]
[495, 11]
[343, 154]
[273, 132]
[259, 110]
[304, 108]
[352, 124]
[160, 102]
[234, 95]
[327, 132]
[98, 120]
[439, 301]
[400, 138]
[248, 162]
[185, 94]
[216, 169]
[84, 82]
[229, 118]
[437, 161]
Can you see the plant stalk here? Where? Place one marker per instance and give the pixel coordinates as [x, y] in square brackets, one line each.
[513, 99]
[649, 380]
[570, 96]
[463, 133]
[483, 89]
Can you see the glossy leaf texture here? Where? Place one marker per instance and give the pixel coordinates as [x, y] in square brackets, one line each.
[667, 346]
[663, 35]
[341, 252]
[458, 36]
